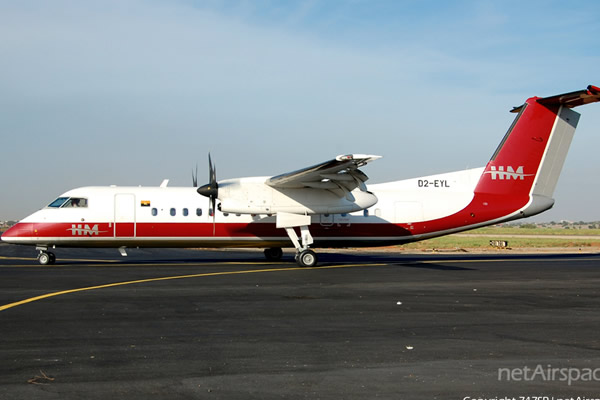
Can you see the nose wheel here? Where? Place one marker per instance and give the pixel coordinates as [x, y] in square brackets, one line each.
[46, 258]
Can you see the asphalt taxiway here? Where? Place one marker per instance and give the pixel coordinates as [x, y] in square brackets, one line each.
[185, 324]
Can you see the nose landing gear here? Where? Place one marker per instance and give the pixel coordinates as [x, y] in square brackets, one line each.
[46, 257]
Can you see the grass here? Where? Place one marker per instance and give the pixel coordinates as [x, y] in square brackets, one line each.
[546, 241]
[513, 230]
[454, 242]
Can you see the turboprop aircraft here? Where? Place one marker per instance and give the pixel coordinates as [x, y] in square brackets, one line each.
[325, 205]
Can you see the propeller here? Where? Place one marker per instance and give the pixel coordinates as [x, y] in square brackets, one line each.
[211, 189]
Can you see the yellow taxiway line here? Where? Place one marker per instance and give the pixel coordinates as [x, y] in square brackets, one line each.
[166, 278]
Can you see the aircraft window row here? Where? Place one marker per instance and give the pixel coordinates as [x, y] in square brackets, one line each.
[69, 202]
[185, 211]
[173, 212]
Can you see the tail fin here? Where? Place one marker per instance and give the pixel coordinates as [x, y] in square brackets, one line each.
[526, 165]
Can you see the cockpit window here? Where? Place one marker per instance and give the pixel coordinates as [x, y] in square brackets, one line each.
[66, 202]
[75, 202]
[58, 202]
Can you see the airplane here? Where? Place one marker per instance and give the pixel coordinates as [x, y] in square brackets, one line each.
[325, 205]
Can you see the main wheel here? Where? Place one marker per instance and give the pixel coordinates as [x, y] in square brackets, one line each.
[273, 254]
[307, 258]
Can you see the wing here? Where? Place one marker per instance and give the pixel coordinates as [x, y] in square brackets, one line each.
[340, 175]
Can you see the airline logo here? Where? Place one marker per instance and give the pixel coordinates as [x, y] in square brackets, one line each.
[84, 230]
[506, 173]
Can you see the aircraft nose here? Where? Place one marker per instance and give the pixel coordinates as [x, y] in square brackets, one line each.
[19, 230]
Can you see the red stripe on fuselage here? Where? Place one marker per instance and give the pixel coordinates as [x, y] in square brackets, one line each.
[99, 230]
[483, 207]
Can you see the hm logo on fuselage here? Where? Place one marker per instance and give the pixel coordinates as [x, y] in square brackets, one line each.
[84, 230]
[501, 173]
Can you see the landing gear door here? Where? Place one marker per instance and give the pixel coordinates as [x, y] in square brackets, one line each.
[326, 220]
[124, 215]
[334, 220]
[342, 220]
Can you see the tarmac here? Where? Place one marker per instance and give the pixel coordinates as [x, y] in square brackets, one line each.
[199, 324]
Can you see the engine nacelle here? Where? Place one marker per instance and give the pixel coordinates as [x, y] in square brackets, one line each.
[253, 196]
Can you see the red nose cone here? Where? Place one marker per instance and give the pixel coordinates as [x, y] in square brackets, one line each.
[17, 231]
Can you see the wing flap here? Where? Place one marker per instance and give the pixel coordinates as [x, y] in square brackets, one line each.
[340, 175]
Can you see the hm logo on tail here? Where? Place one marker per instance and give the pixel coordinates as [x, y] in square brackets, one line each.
[508, 172]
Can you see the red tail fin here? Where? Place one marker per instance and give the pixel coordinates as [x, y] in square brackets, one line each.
[529, 159]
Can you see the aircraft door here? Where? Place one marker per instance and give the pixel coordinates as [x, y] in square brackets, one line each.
[124, 215]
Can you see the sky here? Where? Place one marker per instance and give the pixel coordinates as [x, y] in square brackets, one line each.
[134, 92]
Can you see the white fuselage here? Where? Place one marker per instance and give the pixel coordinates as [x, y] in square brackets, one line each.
[178, 216]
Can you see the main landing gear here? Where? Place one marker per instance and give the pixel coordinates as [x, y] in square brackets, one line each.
[304, 258]
[273, 254]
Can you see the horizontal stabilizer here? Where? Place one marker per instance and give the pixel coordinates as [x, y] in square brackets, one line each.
[570, 100]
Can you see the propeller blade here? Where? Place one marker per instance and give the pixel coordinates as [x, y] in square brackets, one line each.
[211, 189]
[212, 171]
[213, 182]
[214, 213]
[195, 177]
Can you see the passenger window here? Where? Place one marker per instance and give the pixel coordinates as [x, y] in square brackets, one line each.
[75, 202]
[154, 212]
[173, 212]
[185, 212]
[199, 212]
